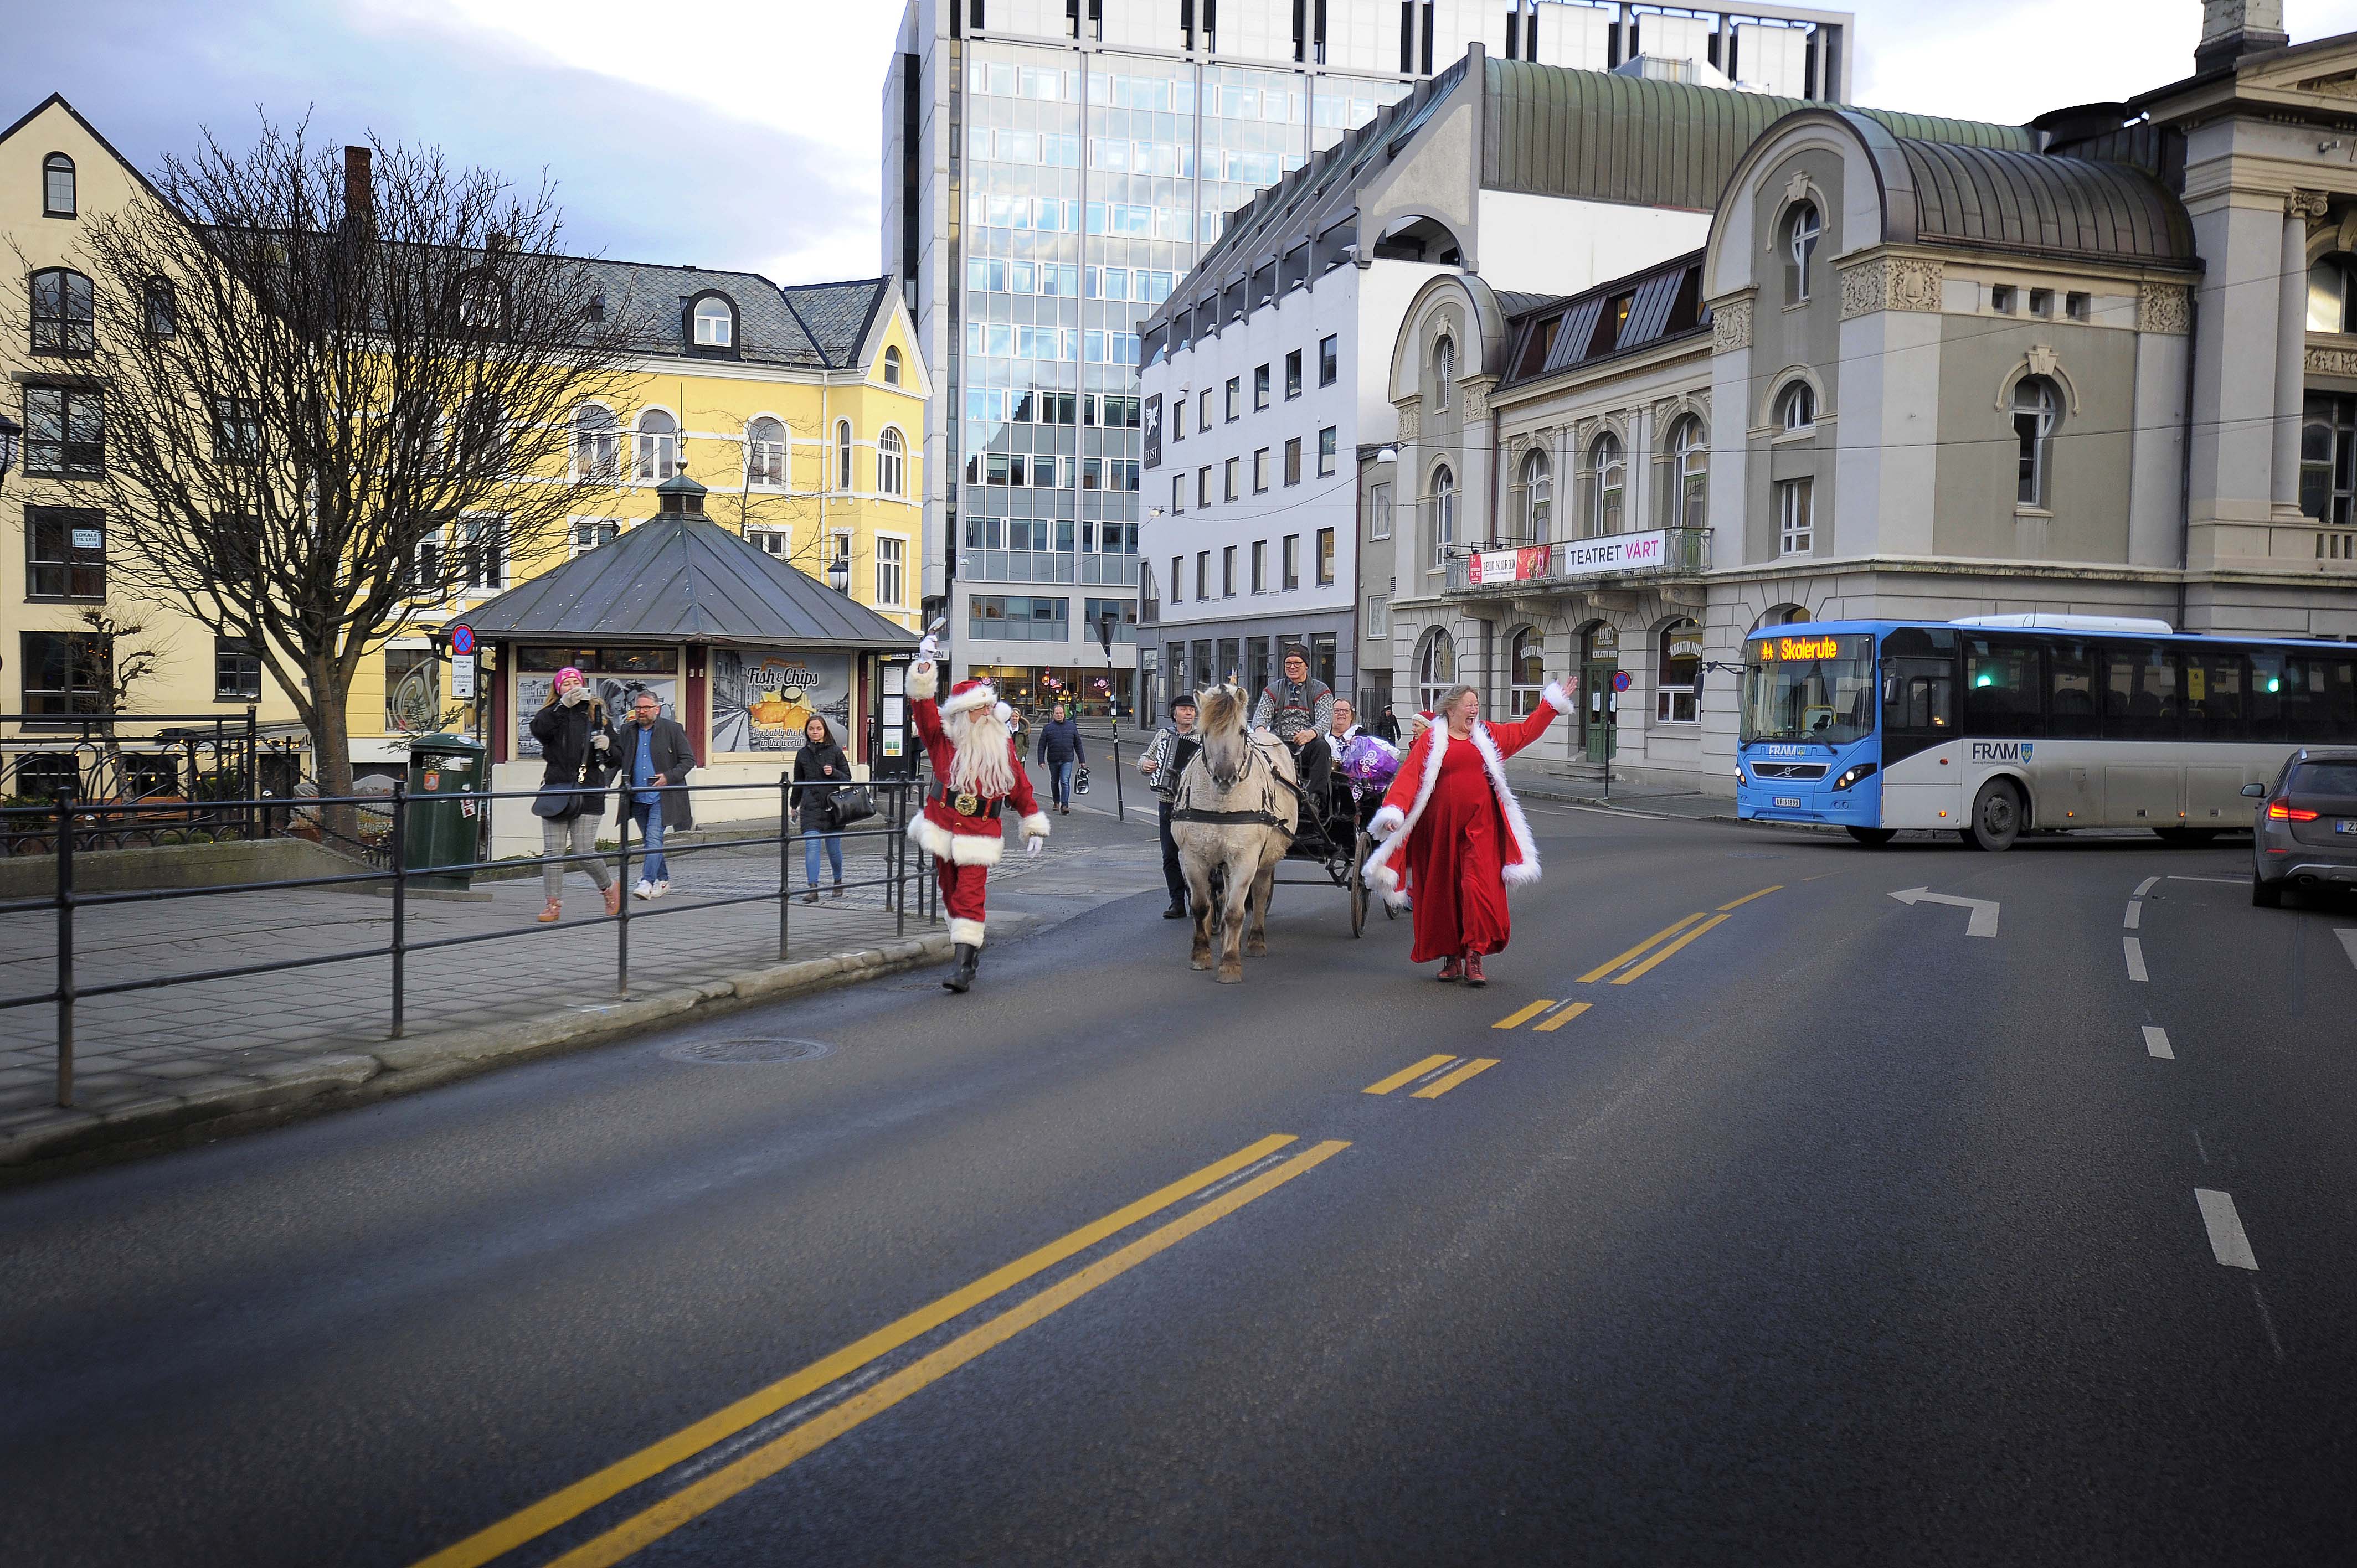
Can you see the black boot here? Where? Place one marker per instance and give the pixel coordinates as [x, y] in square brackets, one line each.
[968, 955]
[1177, 911]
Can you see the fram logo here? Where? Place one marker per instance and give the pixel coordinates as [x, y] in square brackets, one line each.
[2002, 750]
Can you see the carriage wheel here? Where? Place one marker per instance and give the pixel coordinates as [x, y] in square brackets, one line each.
[1357, 888]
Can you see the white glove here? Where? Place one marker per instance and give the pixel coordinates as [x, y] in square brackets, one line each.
[928, 648]
[576, 695]
[604, 743]
[1034, 845]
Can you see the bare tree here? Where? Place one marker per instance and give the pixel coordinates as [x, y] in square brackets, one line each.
[337, 393]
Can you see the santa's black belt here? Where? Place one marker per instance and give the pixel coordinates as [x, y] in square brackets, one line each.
[970, 805]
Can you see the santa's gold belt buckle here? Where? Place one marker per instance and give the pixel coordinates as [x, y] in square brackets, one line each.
[969, 804]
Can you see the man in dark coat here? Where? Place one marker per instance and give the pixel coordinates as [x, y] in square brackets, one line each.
[1060, 748]
[655, 754]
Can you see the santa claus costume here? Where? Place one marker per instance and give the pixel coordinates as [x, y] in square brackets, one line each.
[978, 773]
[1451, 821]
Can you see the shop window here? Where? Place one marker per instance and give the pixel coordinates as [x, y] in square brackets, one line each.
[1677, 673]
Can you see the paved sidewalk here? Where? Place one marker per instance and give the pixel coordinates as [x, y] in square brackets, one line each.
[151, 1063]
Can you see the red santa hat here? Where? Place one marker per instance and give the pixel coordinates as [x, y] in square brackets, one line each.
[969, 695]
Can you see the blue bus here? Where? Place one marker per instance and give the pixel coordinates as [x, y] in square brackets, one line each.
[1998, 726]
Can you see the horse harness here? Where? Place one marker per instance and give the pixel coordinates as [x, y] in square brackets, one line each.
[1264, 818]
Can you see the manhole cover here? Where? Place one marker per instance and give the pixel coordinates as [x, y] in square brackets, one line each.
[748, 1049]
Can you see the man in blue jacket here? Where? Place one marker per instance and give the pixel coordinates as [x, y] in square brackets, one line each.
[1060, 749]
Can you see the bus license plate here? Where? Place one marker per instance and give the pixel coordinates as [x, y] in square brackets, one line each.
[1792, 802]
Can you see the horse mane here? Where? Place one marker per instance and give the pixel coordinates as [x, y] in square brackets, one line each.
[1219, 710]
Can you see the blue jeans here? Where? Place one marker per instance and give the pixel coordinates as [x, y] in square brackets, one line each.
[1060, 781]
[834, 842]
[655, 868]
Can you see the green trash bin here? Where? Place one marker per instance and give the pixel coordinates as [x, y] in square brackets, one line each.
[446, 772]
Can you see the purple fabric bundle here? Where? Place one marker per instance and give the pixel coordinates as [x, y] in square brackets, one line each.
[1368, 759]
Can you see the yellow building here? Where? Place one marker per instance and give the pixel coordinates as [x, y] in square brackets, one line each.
[801, 410]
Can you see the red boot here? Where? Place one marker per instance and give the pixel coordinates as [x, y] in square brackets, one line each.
[1473, 975]
[1453, 969]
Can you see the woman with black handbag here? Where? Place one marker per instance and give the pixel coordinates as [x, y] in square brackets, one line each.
[821, 770]
[578, 747]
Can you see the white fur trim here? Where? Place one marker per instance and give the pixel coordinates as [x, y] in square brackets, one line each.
[924, 682]
[1526, 847]
[1386, 821]
[1379, 865]
[1003, 713]
[1522, 870]
[1555, 697]
[1035, 826]
[983, 696]
[958, 849]
[969, 932]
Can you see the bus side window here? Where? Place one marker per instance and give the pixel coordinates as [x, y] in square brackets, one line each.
[2070, 692]
[2215, 690]
[1920, 695]
[2004, 697]
[2140, 692]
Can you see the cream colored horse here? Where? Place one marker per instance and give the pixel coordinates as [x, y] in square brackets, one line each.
[1234, 814]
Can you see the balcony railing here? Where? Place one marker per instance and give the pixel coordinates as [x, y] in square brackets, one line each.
[1509, 568]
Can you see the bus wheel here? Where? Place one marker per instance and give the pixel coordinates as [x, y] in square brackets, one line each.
[1874, 838]
[1997, 816]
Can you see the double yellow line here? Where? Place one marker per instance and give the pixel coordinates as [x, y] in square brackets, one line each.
[662, 1518]
[1684, 931]
[1438, 1086]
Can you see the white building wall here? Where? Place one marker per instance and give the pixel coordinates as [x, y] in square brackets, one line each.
[1456, 25]
[1675, 38]
[1261, 33]
[1141, 23]
[1885, 434]
[1363, 35]
[1549, 245]
[1773, 59]
[1027, 18]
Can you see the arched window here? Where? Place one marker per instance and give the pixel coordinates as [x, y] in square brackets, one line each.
[2035, 406]
[843, 454]
[1444, 369]
[1690, 457]
[1436, 669]
[1538, 497]
[715, 322]
[57, 186]
[1608, 466]
[2328, 293]
[890, 474]
[1442, 505]
[765, 451]
[1526, 668]
[1803, 230]
[891, 367]
[1679, 668]
[594, 428]
[1796, 406]
[658, 445]
[1784, 615]
[64, 319]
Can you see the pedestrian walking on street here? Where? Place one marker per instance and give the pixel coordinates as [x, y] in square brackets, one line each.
[820, 769]
[1166, 757]
[577, 750]
[1386, 725]
[656, 754]
[1451, 819]
[1060, 748]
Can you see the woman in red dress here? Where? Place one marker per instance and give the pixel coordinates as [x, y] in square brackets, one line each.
[1452, 820]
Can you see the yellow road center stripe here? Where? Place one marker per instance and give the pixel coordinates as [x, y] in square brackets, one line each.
[1560, 1019]
[1435, 1090]
[1601, 970]
[1749, 896]
[1407, 1075]
[622, 1474]
[1649, 964]
[652, 1525]
[1516, 1020]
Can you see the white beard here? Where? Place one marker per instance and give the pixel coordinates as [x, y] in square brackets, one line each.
[983, 761]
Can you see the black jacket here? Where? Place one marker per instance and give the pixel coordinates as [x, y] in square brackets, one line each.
[1059, 741]
[814, 800]
[567, 752]
[1387, 726]
[673, 758]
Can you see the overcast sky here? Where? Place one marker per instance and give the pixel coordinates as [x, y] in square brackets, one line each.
[745, 133]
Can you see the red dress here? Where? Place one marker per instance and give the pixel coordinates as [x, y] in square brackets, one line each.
[1452, 824]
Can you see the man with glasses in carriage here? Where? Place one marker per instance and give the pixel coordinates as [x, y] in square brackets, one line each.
[1300, 712]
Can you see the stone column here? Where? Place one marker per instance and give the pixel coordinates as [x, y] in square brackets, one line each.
[2291, 351]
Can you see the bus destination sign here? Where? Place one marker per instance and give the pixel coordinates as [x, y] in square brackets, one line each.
[1782, 648]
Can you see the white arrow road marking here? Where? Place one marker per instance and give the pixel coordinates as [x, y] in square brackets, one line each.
[1984, 920]
[2135, 957]
[2348, 942]
[2156, 1040]
[2226, 1239]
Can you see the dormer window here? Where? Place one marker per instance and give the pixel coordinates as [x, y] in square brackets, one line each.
[891, 367]
[58, 185]
[715, 322]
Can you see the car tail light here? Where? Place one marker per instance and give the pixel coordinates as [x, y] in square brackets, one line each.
[2279, 812]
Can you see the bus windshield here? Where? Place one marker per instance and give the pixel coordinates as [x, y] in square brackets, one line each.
[1809, 687]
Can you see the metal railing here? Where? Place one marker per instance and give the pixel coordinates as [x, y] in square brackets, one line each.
[183, 778]
[1600, 562]
[904, 863]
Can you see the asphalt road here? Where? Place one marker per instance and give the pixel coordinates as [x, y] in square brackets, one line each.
[1821, 1232]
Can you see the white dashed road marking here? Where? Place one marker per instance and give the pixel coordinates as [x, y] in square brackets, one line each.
[2147, 885]
[2135, 915]
[2135, 956]
[2226, 1239]
[2348, 942]
[2155, 1042]
[2229, 881]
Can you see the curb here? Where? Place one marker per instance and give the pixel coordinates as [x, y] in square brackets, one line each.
[208, 1107]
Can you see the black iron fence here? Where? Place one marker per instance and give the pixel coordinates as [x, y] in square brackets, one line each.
[179, 779]
[65, 822]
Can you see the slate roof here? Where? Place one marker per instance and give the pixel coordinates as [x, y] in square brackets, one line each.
[682, 578]
[808, 325]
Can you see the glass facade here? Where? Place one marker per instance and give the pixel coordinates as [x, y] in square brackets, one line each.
[1086, 185]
